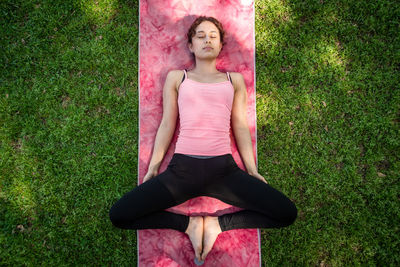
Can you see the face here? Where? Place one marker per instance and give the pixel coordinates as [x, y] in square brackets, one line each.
[207, 35]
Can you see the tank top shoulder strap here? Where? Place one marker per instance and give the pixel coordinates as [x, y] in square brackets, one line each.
[229, 77]
[184, 76]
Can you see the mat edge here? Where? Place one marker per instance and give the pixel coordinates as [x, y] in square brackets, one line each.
[138, 170]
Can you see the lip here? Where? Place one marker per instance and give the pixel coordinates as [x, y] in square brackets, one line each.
[207, 48]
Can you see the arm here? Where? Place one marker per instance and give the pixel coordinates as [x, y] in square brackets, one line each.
[239, 123]
[168, 123]
[241, 128]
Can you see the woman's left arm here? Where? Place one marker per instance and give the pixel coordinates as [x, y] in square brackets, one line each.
[240, 127]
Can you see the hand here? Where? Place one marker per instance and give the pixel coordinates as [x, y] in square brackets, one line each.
[150, 174]
[259, 176]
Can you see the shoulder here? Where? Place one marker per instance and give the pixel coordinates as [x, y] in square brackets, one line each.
[236, 75]
[238, 81]
[175, 76]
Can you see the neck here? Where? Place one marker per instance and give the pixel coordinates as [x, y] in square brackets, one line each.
[205, 66]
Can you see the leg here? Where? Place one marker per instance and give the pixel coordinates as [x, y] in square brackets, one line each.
[265, 207]
[143, 207]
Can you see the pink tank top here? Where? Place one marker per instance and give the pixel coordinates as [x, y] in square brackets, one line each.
[205, 116]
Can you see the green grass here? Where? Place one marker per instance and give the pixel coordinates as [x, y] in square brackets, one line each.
[328, 113]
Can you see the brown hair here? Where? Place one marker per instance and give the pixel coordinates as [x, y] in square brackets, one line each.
[192, 29]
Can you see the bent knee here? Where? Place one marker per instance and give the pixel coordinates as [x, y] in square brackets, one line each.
[290, 213]
[117, 217]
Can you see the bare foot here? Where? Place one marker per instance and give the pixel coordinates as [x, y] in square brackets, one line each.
[195, 233]
[211, 231]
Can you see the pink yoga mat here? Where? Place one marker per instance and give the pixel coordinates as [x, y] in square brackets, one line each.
[163, 47]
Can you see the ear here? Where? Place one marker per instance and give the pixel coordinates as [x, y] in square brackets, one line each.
[190, 46]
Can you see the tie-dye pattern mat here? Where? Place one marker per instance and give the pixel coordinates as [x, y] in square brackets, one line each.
[163, 47]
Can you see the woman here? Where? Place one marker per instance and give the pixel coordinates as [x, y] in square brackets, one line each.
[202, 164]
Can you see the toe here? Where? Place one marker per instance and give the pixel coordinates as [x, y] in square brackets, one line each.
[198, 256]
[198, 252]
[204, 255]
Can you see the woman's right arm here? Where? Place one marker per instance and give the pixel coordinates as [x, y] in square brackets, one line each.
[168, 123]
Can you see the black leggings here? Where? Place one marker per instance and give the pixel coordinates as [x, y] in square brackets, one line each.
[218, 177]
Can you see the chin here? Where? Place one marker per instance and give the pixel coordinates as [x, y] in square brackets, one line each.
[209, 56]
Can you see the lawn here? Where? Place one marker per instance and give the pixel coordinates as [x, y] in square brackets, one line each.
[328, 114]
